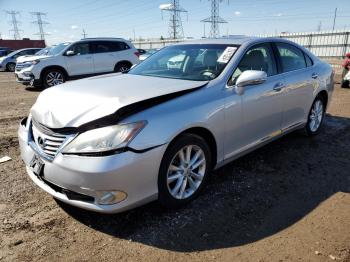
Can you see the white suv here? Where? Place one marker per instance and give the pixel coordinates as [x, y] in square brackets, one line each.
[70, 60]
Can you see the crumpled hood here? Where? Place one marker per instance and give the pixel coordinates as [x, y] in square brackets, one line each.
[23, 59]
[78, 102]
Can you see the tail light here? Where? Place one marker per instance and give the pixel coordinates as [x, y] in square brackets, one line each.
[137, 54]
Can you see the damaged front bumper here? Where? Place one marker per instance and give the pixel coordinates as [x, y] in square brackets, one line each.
[87, 181]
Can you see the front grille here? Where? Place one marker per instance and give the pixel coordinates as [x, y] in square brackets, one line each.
[47, 141]
[20, 66]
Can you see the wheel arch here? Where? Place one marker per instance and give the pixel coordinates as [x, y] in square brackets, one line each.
[324, 96]
[208, 137]
[123, 61]
[53, 67]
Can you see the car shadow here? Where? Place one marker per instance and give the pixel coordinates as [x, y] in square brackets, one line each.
[254, 197]
[34, 89]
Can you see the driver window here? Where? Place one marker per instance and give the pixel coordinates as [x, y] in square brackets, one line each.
[259, 57]
[80, 49]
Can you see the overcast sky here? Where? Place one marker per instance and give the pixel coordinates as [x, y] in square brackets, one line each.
[116, 18]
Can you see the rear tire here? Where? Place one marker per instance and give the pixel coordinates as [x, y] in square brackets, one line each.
[122, 67]
[182, 176]
[52, 77]
[11, 67]
[316, 116]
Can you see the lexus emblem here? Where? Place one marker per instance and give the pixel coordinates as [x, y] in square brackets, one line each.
[41, 142]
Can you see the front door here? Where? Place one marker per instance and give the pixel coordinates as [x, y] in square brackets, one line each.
[261, 104]
[81, 62]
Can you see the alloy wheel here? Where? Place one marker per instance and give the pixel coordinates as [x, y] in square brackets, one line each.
[54, 78]
[11, 67]
[186, 172]
[316, 116]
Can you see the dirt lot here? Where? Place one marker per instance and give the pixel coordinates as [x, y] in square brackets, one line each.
[288, 201]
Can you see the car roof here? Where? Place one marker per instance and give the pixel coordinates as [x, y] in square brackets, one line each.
[29, 48]
[103, 38]
[235, 40]
[232, 40]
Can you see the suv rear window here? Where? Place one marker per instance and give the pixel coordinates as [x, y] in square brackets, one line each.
[110, 46]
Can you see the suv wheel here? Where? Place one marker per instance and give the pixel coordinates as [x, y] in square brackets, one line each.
[122, 67]
[184, 170]
[315, 118]
[11, 67]
[53, 77]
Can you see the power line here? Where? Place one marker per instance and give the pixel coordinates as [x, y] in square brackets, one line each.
[39, 21]
[175, 23]
[214, 19]
[15, 24]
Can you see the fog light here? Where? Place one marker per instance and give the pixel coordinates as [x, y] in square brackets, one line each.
[110, 197]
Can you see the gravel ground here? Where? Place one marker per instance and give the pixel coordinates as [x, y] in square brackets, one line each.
[288, 201]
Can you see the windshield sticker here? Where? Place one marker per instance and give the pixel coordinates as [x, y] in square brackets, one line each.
[227, 54]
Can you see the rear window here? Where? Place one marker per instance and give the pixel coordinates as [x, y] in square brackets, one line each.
[292, 58]
[308, 60]
[110, 46]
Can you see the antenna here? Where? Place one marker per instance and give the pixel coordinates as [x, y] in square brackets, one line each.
[40, 23]
[175, 23]
[214, 19]
[15, 24]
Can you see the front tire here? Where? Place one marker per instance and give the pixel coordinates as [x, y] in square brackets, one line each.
[316, 116]
[11, 67]
[52, 77]
[122, 67]
[184, 169]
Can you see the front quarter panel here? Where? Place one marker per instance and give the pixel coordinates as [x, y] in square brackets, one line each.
[202, 108]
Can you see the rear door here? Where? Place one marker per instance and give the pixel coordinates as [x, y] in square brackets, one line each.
[300, 81]
[103, 56]
[107, 54]
[81, 62]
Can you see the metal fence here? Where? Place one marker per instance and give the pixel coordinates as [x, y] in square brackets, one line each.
[324, 44]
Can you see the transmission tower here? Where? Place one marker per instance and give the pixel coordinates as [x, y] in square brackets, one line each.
[39, 21]
[84, 34]
[15, 24]
[214, 19]
[175, 23]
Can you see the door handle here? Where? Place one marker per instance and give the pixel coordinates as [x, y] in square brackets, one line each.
[278, 87]
[314, 75]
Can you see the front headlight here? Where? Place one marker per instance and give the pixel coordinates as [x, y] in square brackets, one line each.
[104, 139]
[34, 62]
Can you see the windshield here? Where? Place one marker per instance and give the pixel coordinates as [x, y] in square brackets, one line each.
[198, 62]
[13, 53]
[58, 48]
[43, 51]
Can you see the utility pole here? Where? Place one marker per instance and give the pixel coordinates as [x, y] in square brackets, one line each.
[175, 23]
[39, 21]
[14, 23]
[84, 34]
[335, 17]
[319, 26]
[214, 19]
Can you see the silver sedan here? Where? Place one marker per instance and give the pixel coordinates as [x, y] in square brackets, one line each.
[113, 142]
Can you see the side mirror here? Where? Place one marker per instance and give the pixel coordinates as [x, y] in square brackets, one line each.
[250, 77]
[70, 53]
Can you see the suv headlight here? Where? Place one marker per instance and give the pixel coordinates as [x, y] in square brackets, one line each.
[104, 139]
